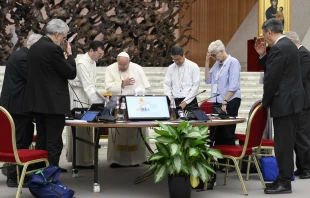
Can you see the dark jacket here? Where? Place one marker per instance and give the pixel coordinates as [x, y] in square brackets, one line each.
[47, 83]
[304, 55]
[283, 89]
[14, 82]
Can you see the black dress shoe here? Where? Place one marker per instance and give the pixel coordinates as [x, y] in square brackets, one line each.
[298, 172]
[278, 189]
[12, 183]
[305, 176]
[63, 170]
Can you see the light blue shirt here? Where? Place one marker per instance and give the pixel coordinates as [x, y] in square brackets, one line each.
[228, 79]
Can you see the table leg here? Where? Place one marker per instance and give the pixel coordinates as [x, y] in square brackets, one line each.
[74, 170]
[96, 155]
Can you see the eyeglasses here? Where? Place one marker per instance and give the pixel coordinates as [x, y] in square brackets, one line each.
[214, 55]
[100, 54]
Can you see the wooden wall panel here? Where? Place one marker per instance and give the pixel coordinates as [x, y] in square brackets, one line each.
[212, 20]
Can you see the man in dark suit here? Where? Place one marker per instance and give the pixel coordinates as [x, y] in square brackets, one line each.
[284, 94]
[12, 94]
[47, 93]
[302, 145]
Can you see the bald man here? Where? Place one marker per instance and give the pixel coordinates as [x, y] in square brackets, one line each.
[125, 148]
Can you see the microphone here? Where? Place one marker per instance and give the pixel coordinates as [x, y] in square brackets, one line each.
[194, 95]
[78, 100]
[202, 101]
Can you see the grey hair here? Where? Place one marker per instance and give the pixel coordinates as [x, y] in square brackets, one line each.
[216, 46]
[293, 35]
[274, 25]
[56, 25]
[33, 38]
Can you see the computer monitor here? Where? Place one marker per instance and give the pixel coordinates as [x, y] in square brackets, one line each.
[147, 107]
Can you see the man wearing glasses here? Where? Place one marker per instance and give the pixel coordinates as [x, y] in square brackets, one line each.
[182, 79]
[47, 93]
[84, 86]
[125, 148]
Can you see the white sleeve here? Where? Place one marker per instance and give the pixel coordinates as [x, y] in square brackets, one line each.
[110, 85]
[195, 86]
[88, 84]
[168, 83]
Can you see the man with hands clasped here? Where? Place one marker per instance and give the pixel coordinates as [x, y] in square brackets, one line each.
[224, 78]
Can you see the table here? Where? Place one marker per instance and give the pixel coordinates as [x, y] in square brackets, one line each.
[127, 124]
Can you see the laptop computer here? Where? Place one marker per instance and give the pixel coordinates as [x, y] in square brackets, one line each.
[147, 108]
[96, 107]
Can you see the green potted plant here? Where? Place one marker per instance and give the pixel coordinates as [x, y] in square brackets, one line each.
[183, 154]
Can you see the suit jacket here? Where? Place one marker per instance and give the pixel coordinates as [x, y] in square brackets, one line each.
[14, 82]
[305, 73]
[47, 83]
[283, 89]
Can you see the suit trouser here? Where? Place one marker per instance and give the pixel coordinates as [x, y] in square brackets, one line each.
[49, 131]
[302, 144]
[225, 135]
[285, 128]
[24, 133]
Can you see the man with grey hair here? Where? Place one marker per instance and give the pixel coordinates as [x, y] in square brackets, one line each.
[302, 145]
[125, 144]
[13, 88]
[284, 94]
[47, 93]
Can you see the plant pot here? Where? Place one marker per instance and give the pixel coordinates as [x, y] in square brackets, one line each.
[179, 186]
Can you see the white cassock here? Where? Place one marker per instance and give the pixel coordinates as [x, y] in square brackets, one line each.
[84, 86]
[125, 146]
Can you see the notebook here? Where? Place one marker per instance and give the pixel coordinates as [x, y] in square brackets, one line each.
[147, 107]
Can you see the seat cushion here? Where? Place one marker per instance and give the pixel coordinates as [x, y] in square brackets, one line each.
[25, 155]
[232, 150]
[265, 142]
[240, 136]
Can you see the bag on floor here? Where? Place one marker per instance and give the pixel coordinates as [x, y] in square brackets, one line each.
[44, 184]
[270, 170]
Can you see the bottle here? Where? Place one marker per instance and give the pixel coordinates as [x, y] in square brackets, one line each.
[172, 109]
[116, 111]
[123, 109]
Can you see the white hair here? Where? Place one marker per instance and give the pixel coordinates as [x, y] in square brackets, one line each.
[216, 46]
[33, 38]
[56, 25]
[293, 35]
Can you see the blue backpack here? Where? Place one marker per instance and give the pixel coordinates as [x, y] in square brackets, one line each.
[44, 183]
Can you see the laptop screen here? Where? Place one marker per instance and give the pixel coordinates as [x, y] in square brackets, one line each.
[147, 107]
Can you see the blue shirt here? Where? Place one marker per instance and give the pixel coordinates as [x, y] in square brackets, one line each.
[228, 79]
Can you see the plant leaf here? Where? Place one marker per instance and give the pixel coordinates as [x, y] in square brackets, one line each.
[187, 143]
[177, 163]
[155, 157]
[194, 181]
[161, 132]
[197, 142]
[204, 130]
[185, 169]
[162, 149]
[152, 166]
[163, 139]
[152, 137]
[182, 126]
[208, 167]
[215, 153]
[174, 149]
[173, 131]
[193, 171]
[193, 151]
[160, 173]
[202, 172]
[193, 135]
[162, 125]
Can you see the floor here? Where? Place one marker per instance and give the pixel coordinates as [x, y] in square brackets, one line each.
[118, 183]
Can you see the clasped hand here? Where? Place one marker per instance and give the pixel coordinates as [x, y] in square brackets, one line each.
[129, 81]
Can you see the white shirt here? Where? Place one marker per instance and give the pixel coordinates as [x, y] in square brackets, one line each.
[114, 77]
[182, 81]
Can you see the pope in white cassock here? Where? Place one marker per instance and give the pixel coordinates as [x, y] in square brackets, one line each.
[84, 86]
[125, 146]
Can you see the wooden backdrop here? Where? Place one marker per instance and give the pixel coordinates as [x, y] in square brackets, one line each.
[212, 20]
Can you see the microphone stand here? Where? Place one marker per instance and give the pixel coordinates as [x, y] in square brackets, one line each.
[76, 95]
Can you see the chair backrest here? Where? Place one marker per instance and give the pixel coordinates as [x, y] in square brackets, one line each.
[6, 128]
[206, 107]
[256, 126]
